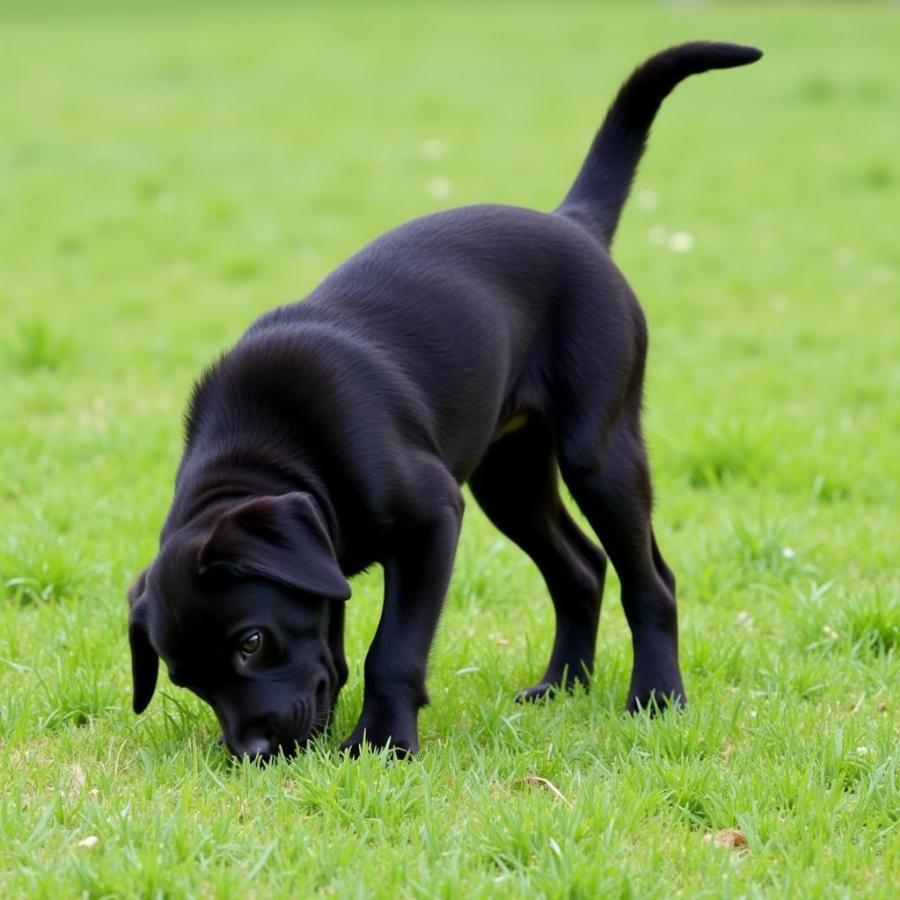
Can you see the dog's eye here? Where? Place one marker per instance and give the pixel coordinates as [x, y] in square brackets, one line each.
[250, 644]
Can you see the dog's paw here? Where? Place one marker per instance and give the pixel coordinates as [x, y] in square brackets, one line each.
[401, 747]
[549, 687]
[385, 723]
[656, 700]
[386, 729]
[545, 690]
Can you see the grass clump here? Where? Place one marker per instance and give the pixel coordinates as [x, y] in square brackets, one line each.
[36, 345]
[37, 567]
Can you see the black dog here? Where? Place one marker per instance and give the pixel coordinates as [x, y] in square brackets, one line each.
[490, 345]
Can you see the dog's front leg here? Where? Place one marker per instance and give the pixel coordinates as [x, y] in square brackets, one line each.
[416, 575]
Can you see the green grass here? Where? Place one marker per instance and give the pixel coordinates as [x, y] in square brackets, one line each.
[168, 173]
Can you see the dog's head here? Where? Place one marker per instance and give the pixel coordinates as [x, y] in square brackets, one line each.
[239, 611]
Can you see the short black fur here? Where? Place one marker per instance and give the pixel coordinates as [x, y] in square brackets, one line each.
[492, 345]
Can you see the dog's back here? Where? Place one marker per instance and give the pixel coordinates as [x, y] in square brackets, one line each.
[470, 303]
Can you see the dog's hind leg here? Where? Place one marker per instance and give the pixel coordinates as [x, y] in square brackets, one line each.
[611, 484]
[516, 485]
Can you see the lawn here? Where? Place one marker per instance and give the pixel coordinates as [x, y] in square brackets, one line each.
[169, 171]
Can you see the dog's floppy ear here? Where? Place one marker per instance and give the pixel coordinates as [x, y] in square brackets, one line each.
[144, 660]
[281, 538]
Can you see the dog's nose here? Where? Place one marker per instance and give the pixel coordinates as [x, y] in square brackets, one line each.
[256, 748]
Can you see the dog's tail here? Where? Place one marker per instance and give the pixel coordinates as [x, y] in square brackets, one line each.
[601, 187]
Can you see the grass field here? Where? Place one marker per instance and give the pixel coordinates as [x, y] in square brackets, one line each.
[168, 173]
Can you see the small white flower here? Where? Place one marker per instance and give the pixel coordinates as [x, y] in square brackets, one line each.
[788, 552]
[440, 188]
[90, 841]
[829, 632]
[863, 751]
[648, 200]
[843, 256]
[432, 148]
[681, 242]
[166, 201]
